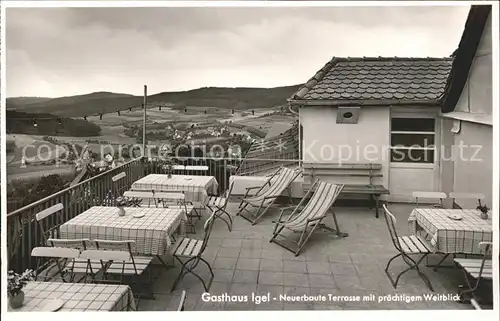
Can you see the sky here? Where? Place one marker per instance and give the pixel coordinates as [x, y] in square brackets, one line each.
[54, 52]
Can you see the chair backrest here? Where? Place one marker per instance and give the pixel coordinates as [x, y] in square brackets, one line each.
[435, 196]
[178, 167]
[105, 256]
[54, 253]
[182, 302]
[325, 195]
[281, 181]
[207, 227]
[139, 194]
[49, 221]
[390, 220]
[196, 168]
[467, 196]
[228, 195]
[80, 244]
[170, 196]
[118, 177]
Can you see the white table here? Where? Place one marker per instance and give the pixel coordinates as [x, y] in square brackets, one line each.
[452, 236]
[196, 188]
[78, 297]
[151, 232]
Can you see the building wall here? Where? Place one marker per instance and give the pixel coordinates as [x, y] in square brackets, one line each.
[473, 171]
[477, 94]
[470, 175]
[365, 142]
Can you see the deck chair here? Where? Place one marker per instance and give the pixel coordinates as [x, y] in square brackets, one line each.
[466, 196]
[475, 271]
[309, 216]
[437, 197]
[219, 205]
[57, 255]
[188, 252]
[267, 194]
[406, 246]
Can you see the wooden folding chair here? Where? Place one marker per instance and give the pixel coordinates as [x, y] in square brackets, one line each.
[177, 198]
[188, 252]
[466, 196]
[135, 198]
[436, 197]
[305, 218]
[476, 271]
[78, 265]
[267, 194]
[114, 191]
[219, 205]
[49, 220]
[117, 258]
[57, 255]
[406, 246]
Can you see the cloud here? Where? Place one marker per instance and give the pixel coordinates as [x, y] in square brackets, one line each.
[66, 51]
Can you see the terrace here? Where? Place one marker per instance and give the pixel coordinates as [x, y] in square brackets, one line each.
[244, 262]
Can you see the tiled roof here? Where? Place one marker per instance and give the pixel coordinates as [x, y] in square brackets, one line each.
[344, 80]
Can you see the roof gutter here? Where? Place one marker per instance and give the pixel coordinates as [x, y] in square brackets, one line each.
[373, 102]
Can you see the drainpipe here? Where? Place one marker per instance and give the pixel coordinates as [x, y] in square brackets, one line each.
[296, 113]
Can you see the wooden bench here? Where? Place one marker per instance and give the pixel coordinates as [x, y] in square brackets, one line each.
[348, 171]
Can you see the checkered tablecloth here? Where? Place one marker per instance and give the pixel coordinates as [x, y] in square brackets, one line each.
[77, 297]
[196, 188]
[151, 232]
[447, 235]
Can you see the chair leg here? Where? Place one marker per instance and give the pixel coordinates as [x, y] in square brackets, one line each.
[218, 214]
[302, 242]
[190, 270]
[412, 265]
[181, 273]
[261, 214]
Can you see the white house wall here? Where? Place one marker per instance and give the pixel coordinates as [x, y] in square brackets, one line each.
[326, 141]
[476, 98]
[473, 172]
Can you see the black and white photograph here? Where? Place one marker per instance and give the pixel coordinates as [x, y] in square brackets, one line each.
[224, 156]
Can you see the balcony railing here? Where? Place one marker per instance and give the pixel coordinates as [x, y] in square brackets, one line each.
[24, 233]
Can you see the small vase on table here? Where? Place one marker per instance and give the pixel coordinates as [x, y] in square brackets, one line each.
[16, 301]
[484, 211]
[120, 204]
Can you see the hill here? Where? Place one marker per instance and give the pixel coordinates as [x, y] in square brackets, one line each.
[22, 101]
[47, 124]
[105, 102]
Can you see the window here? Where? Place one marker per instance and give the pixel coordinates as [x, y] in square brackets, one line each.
[412, 140]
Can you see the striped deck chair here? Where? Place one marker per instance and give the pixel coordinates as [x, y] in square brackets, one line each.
[267, 194]
[309, 216]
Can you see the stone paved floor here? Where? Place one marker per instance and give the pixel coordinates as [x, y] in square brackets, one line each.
[244, 262]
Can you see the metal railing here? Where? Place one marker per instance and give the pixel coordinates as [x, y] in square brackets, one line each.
[24, 234]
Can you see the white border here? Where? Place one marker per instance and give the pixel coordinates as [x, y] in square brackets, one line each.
[3, 161]
[289, 315]
[496, 156]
